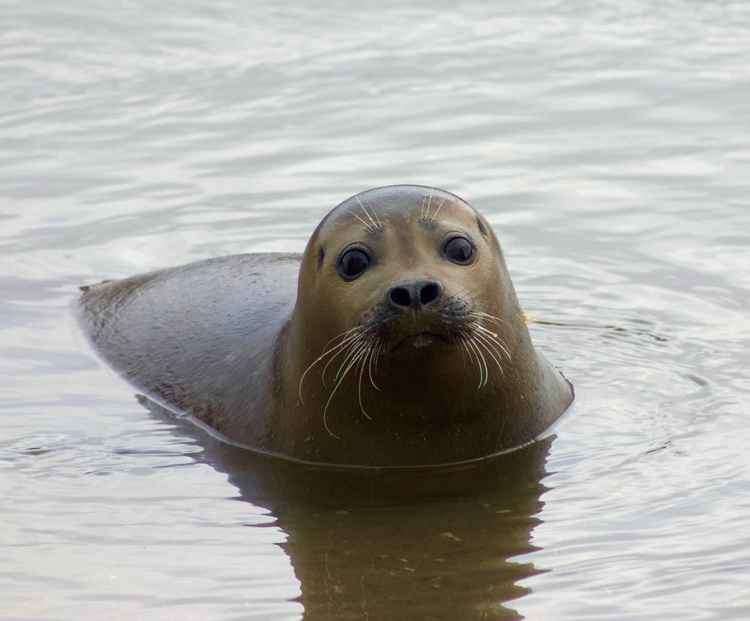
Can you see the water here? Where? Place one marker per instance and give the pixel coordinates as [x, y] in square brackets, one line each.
[606, 142]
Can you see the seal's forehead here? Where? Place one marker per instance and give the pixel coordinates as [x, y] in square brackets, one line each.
[380, 207]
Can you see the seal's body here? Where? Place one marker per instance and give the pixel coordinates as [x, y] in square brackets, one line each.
[401, 344]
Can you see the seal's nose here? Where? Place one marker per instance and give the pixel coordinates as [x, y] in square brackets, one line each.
[414, 294]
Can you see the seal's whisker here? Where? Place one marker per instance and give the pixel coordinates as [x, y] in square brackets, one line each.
[482, 315]
[478, 317]
[325, 420]
[488, 348]
[490, 334]
[346, 347]
[343, 351]
[381, 349]
[374, 356]
[495, 338]
[465, 347]
[367, 225]
[438, 208]
[471, 352]
[480, 369]
[337, 347]
[474, 358]
[484, 362]
[485, 368]
[377, 218]
[494, 344]
[354, 350]
[363, 362]
[333, 392]
[342, 335]
[375, 224]
[367, 213]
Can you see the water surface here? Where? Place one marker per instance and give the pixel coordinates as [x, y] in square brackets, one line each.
[607, 144]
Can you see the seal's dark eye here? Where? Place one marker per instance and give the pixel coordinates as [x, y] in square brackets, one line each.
[459, 250]
[353, 263]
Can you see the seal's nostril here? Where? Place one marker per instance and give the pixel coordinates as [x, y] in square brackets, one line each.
[429, 293]
[400, 296]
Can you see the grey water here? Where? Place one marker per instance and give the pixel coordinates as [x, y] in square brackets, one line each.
[608, 144]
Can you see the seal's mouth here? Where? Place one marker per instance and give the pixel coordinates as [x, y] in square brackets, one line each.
[400, 332]
[420, 340]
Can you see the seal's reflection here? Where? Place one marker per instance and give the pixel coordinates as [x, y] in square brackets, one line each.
[396, 544]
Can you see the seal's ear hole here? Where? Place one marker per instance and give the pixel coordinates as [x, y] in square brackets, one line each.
[321, 256]
[482, 228]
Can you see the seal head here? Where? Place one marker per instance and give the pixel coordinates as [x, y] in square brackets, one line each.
[407, 342]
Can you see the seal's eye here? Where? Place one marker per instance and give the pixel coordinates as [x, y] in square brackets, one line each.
[353, 263]
[459, 250]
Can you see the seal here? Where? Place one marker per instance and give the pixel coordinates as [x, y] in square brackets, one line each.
[402, 344]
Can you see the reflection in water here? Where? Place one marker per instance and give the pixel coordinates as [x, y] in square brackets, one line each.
[380, 544]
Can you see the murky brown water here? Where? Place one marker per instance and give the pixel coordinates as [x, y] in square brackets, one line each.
[608, 144]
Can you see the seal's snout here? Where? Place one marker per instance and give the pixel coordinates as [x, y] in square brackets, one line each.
[415, 294]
